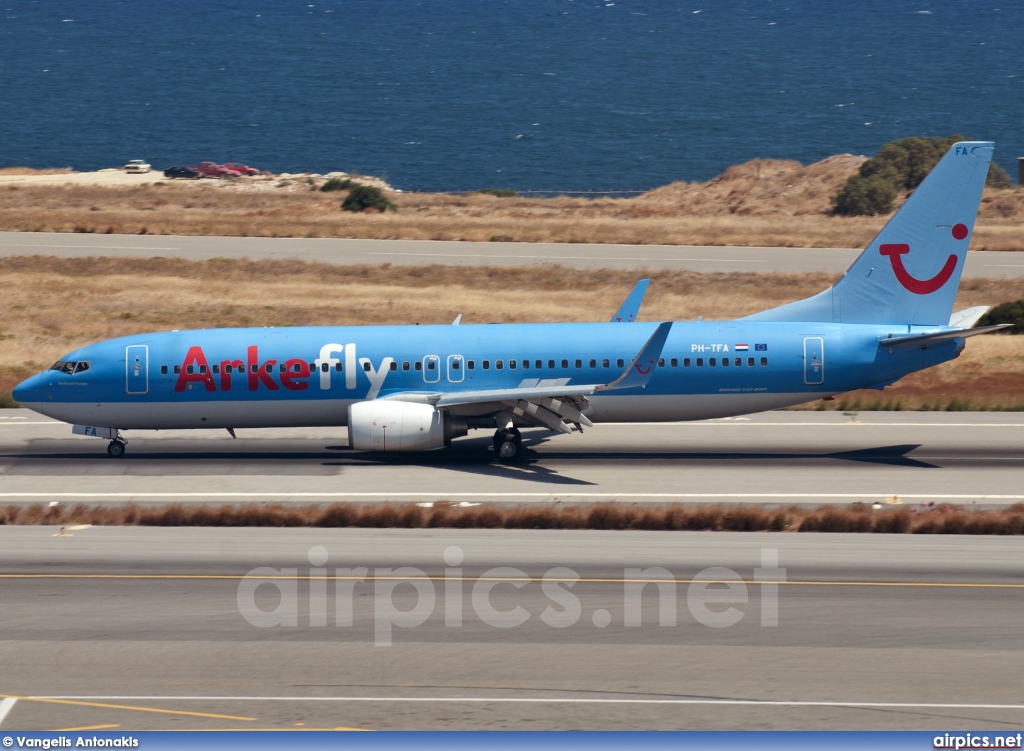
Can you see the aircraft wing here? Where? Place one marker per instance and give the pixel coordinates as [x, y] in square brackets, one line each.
[551, 403]
[631, 307]
[923, 340]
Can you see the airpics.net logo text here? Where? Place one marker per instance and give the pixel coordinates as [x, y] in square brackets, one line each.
[407, 597]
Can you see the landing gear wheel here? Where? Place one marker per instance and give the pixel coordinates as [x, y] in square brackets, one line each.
[508, 446]
[115, 449]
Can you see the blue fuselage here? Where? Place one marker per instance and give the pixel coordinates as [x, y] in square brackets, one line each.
[274, 377]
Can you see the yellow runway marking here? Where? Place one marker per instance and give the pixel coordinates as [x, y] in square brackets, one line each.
[87, 727]
[559, 580]
[130, 708]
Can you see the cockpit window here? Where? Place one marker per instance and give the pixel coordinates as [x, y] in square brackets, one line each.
[70, 367]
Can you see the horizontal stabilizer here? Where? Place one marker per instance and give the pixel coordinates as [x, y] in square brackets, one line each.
[964, 319]
[923, 340]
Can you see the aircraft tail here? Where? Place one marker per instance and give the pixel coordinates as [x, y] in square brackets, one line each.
[910, 272]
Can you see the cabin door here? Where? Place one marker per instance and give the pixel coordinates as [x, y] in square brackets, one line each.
[136, 369]
[814, 360]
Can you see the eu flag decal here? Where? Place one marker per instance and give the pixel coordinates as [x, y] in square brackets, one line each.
[760, 347]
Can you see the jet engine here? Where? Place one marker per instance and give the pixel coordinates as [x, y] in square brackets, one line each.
[386, 425]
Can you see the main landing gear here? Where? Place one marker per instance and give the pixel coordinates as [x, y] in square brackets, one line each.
[508, 445]
[116, 448]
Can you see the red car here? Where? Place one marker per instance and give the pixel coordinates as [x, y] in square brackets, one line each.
[241, 169]
[212, 169]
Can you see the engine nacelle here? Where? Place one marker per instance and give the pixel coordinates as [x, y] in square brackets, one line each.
[387, 425]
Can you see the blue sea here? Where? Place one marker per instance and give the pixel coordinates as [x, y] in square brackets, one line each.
[551, 95]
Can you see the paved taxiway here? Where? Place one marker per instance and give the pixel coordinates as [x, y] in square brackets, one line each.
[416, 252]
[143, 628]
[775, 457]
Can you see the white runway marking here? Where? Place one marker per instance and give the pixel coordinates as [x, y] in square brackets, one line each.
[556, 494]
[86, 247]
[499, 256]
[547, 700]
[5, 708]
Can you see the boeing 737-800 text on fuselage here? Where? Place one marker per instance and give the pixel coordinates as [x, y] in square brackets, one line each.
[412, 388]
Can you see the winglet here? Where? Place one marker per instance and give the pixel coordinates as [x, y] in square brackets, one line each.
[641, 368]
[458, 320]
[631, 307]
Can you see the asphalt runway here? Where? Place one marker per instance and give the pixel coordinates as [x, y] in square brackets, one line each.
[139, 628]
[774, 457]
[413, 252]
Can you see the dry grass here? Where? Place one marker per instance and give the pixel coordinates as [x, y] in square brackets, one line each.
[29, 171]
[853, 518]
[52, 305]
[760, 203]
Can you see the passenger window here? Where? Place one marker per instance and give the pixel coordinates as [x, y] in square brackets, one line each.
[750, 362]
[163, 370]
[486, 364]
[579, 363]
[565, 364]
[418, 365]
[538, 364]
[366, 367]
[394, 365]
[431, 365]
[253, 368]
[551, 364]
[620, 363]
[177, 369]
[738, 361]
[593, 363]
[216, 368]
[498, 365]
[725, 362]
[526, 364]
[405, 365]
[338, 367]
[202, 369]
[686, 362]
[455, 364]
[511, 364]
[675, 362]
[661, 362]
[269, 367]
[712, 362]
[764, 362]
[700, 362]
[190, 369]
[281, 368]
[470, 364]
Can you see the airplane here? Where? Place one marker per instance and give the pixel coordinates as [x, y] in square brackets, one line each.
[416, 388]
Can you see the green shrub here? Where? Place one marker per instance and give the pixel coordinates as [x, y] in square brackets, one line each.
[336, 183]
[364, 197]
[864, 196]
[901, 165]
[499, 192]
[1008, 312]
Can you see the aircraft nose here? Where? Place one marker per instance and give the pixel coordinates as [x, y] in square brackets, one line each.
[27, 392]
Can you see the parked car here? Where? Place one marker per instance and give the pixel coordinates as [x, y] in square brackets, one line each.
[137, 166]
[241, 169]
[212, 169]
[187, 173]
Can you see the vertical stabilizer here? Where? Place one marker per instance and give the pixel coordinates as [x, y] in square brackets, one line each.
[910, 272]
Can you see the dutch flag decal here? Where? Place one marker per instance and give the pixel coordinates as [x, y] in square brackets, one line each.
[741, 347]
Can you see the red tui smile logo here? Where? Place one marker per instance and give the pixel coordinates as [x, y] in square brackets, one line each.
[908, 280]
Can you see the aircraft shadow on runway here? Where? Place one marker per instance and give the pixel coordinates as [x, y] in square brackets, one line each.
[473, 456]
